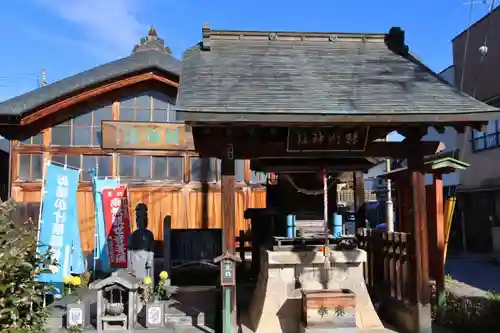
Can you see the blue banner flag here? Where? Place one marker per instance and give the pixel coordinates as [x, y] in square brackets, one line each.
[101, 248]
[59, 223]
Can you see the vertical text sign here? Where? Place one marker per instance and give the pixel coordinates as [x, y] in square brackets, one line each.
[117, 220]
[59, 220]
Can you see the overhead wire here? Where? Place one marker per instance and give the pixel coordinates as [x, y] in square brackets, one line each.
[461, 151]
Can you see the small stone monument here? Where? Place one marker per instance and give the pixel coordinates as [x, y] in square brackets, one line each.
[140, 255]
[117, 302]
[76, 314]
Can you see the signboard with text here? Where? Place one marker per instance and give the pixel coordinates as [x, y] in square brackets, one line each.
[227, 273]
[336, 138]
[128, 135]
[117, 222]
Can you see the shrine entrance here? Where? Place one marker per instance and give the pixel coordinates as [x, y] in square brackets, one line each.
[317, 103]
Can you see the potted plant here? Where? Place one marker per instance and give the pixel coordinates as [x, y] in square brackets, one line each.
[156, 299]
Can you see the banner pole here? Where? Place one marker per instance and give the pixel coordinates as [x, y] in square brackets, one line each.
[42, 194]
[93, 174]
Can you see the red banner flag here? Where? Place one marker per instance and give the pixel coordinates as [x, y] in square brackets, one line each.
[117, 222]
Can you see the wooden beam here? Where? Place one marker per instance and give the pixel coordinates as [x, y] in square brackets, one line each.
[248, 149]
[310, 164]
[87, 94]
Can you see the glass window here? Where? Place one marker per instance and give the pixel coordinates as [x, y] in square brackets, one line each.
[160, 115]
[102, 164]
[203, 169]
[61, 135]
[101, 114]
[30, 166]
[34, 140]
[239, 170]
[142, 167]
[86, 163]
[142, 115]
[148, 106]
[479, 144]
[491, 140]
[126, 166]
[83, 120]
[143, 101]
[161, 101]
[488, 139]
[477, 134]
[157, 168]
[168, 168]
[70, 160]
[491, 127]
[126, 114]
[82, 136]
[83, 130]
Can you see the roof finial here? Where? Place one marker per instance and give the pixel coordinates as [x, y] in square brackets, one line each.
[395, 41]
[152, 42]
[152, 32]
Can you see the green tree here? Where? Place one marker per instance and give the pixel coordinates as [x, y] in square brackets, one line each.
[21, 296]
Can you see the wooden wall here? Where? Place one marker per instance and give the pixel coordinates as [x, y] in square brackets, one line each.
[73, 132]
[190, 208]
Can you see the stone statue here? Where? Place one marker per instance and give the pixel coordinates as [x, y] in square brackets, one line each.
[140, 257]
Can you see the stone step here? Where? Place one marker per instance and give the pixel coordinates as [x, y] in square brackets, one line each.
[178, 320]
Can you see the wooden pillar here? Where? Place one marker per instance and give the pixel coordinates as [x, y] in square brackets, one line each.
[359, 199]
[422, 313]
[228, 205]
[435, 204]
[228, 216]
[431, 230]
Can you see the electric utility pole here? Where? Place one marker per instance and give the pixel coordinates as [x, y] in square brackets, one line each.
[44, 74]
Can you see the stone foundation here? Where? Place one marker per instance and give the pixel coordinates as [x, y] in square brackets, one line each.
[276, 302]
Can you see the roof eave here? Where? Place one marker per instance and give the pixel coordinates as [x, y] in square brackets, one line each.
[242, 116]
[138, 63]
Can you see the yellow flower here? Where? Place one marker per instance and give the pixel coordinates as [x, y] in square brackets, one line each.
[163, 275]
[76, 281]
[148, 280]
[68, 279]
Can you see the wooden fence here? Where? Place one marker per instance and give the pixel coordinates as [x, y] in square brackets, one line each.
[389, 270]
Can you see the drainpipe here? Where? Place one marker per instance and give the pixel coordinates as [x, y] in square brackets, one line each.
[389, 205]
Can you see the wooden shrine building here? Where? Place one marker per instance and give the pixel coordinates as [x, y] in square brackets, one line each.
[327, 99]
[62, 122]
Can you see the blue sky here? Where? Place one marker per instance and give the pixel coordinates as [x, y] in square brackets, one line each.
[69, 36]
